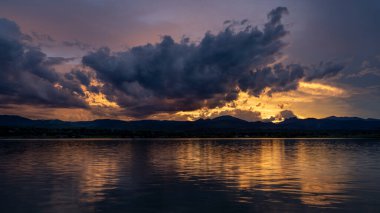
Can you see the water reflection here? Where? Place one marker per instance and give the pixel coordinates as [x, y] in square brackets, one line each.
[174, 175]
[324, 174]
[67, 172]
[317, 173]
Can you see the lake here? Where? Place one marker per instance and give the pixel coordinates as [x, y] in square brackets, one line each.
[190, 175]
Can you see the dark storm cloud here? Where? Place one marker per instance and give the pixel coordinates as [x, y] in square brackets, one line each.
[281, 78]
[171, 76]
[51, 61]
[165, 77]
[283, 115]
[278, 78]
[26, 73]
[286, 114]
[83, 77]
[324, 70]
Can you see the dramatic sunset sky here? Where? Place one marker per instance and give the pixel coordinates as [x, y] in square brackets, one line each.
[184, 60]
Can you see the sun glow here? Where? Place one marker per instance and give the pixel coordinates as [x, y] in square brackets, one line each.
[320, 89]
[97, 99]
[268, 106]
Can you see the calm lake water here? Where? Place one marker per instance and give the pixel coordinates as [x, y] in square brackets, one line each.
[190, 175]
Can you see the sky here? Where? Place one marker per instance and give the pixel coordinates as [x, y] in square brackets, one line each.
[184, 60]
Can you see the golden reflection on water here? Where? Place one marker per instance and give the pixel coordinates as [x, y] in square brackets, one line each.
[93, 169]
[299, 169]
[312, 172]
[322, 176]
[96, 177]
[96, 170]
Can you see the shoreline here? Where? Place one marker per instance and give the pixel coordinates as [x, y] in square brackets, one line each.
[196, 138]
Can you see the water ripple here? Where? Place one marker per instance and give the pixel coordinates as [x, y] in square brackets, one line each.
[189, 175]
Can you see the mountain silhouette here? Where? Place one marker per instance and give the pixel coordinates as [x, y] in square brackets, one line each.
[219, 126]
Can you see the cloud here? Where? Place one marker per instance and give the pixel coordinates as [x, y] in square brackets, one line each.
[77, 44]
[171, 76]
[247, 115]
[26, 73]
[166, 77]
[281, 116]
[42, 37]
[175, 76]
[278, 78]
[324, 70]
[285, 114]
[83, 77]
[368, 67]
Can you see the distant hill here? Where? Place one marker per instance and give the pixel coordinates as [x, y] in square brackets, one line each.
[224, 126]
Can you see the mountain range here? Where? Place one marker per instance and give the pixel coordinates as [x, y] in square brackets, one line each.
[224, 126]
